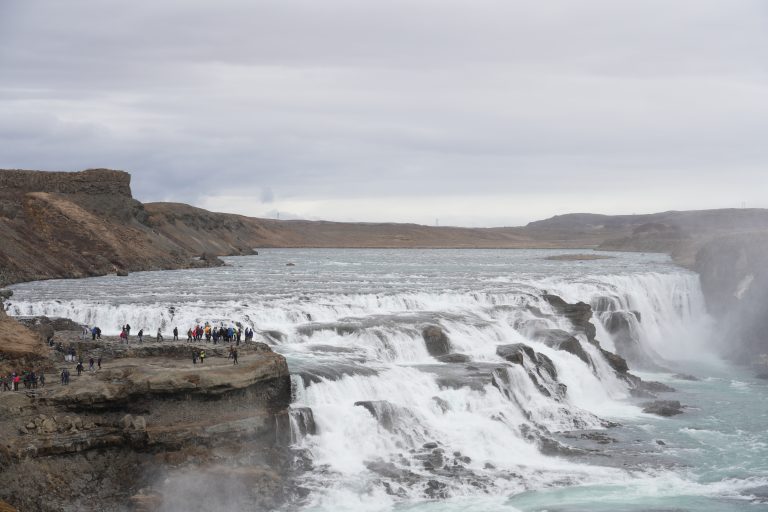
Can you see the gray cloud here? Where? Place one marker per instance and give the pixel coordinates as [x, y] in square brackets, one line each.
[513, 109]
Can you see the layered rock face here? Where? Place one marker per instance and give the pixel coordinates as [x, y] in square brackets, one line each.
[19, 346]
[76, 225]
[147, 433]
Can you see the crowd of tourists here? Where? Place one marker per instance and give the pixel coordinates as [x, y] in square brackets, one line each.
[26, 378]
[216, 335]
[197, 332]
[29, 379]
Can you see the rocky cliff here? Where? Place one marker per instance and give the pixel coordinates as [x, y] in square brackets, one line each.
[149, 430]
[56, 224]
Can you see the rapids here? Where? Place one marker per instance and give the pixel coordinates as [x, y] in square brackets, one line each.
[387, 426]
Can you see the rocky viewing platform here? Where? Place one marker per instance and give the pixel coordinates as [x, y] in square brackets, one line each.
[146, 429]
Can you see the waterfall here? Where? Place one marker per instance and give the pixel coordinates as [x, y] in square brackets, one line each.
[383, 416]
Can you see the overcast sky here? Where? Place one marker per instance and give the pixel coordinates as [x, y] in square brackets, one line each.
[476, 112]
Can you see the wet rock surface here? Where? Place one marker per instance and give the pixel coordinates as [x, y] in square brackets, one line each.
[664, 408]
[142, 426]
[561, 340]
[454, 358]
[579, 314]
[436, 341]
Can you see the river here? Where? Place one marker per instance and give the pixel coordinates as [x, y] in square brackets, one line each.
[396, 429]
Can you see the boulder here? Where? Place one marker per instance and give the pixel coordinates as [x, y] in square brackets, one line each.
[454, 358]
[561, 340]
[619, 321]
[618, 363]
[623, 326]
[384, 412]
[210, 260]
[664, 408]
[655, 387]
[436, 340]
[514, 352]
[579, 314]
[304, 421]
[540, 368]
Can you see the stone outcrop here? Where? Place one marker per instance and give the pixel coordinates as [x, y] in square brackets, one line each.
[454, 358]
[140, 424]
[579, 314]
[624, 328]
[663, 408]
[436, 340]
[561, 340]
[540, 368]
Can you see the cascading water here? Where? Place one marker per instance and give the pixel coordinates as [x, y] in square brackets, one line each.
[393, 418]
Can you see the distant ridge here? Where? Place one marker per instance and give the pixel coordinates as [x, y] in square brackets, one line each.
[59, 224]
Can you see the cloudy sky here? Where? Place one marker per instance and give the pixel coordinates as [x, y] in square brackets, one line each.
[474, 112]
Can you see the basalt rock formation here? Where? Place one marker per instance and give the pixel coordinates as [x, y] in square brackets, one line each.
[145, 432]
[56, 224]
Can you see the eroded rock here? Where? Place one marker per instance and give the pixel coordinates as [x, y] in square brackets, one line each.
[663, 408]
[436, 341]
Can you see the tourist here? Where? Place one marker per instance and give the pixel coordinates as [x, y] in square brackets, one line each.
[99, 362]
[16, 380]
[93, 333]
[140, 335]
[42, 379]
[189, 334]
[4, 383]
[63, 379]
[234, 357]
[159, 335]
[202, 356]
[175, 334]
[79, 368]
[91, 362]
[127, 331]
[123, 336]
[194, 357]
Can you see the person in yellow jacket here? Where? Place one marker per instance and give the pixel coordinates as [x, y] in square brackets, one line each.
[202, 356]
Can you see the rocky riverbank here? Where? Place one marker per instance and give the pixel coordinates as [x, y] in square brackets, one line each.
[149, 430]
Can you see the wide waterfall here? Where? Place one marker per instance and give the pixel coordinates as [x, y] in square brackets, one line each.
[466, 380]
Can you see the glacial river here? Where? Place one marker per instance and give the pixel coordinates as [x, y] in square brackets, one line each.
[474, 435]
